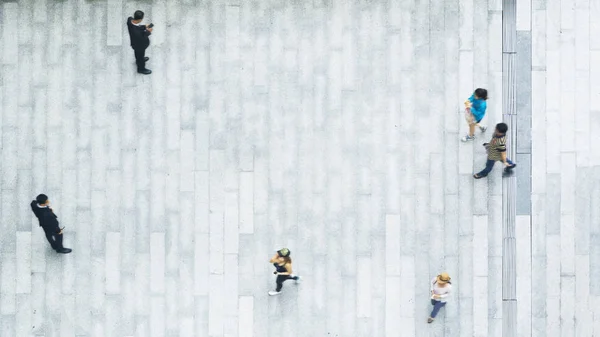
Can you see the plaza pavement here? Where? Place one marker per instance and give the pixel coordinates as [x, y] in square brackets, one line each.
[329, 127]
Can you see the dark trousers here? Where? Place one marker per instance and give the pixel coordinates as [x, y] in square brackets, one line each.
[140, 55]
[55, 240]
[283, 278]
[489, 165]
[437, 305]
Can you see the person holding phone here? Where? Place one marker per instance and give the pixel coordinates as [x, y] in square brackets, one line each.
[139, 37]
[49, 222]
[440, 288]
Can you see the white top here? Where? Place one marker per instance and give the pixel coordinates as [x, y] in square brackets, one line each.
[443, 292]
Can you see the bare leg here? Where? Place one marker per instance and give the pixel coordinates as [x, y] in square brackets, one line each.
[472, 129]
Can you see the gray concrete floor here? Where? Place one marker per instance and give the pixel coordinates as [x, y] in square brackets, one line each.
[329, 127]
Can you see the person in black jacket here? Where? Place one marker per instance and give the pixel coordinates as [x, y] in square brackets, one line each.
[49, 222]
[138, 34]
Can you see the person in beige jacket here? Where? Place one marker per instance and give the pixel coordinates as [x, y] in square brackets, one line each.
[440, 289]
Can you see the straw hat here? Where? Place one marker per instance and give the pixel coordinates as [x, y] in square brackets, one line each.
[443, 278]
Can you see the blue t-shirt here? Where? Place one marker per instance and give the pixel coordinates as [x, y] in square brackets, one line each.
[478, 107]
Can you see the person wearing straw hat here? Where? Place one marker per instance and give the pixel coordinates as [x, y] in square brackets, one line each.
[440, 289]
[283, 269]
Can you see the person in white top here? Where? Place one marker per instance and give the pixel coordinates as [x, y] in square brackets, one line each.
[440, 289]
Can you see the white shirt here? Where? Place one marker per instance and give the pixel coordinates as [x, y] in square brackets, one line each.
[443, 292]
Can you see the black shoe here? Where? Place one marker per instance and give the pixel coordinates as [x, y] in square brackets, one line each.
[145, 71]
[64, 250]
[146, 58]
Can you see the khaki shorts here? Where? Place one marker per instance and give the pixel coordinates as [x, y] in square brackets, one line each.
[470, 118]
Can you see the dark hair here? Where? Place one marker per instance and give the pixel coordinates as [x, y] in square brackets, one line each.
[138, 15]
[481, 93]
[41, 199]
[501, 127]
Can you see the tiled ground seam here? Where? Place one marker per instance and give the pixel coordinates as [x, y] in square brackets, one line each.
[509, 296]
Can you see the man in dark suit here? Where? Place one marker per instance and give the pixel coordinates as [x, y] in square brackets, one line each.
[49, 222]
[138, 34]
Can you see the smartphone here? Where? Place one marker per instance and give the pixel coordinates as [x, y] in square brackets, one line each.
[151, 25]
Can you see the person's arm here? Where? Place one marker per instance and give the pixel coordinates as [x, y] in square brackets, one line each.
[447, 292]
[52, 223]
[502, 149]
[146, 31]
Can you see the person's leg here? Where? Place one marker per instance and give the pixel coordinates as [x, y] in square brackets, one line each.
[489, 165]
[51, 240]
[58, 238]
[280, 280]
[436, 308]
[472, 129]
[481, 126]
[139, 58]
[471, 124]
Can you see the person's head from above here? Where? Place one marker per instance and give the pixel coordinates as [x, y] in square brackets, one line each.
[481, 93]
[138, 16]
[283, 256]
[42, 200]
[443, 279]
[501, 129]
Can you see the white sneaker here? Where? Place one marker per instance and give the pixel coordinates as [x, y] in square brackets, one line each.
[467, 138]
[273, 293]
[482, 128]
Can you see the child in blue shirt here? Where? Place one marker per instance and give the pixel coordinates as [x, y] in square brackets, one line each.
[477, 105]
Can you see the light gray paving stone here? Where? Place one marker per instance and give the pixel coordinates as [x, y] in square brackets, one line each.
[567, 306]
[552, 268]
[23, 315]
[363, 288]
[9, 162]
[524, 178]
[480, 304]
[524, 13]
[10, 35]
[594, 258]
[524, 284]
[112, 265]
[495, 289]
[582, 38]
[583, 314]
[8, 285]
[567, 244]
[596, 326]
[594, 41]
[552, 204]
[583, 199]
[480, 250]
[594, 122]
[538, 298]
[157, 316]
[567, 180]
[10, 213]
